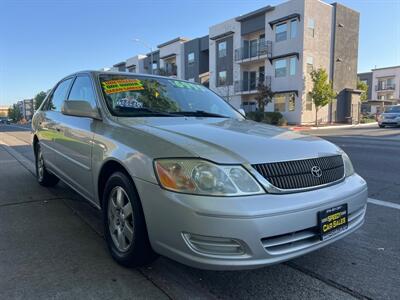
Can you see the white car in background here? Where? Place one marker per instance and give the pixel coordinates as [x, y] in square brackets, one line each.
[391, 117]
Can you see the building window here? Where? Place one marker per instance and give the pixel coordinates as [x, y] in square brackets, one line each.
[292, 102]
[293, 29]
[292, 66]
[132, 69]
[280, 68]
[222, 78]
[191, 57]
[191, 79]
[311, 26]
[154, 66]
[281, 32]
[310, 64]
[280, 103]
[308, 102]
[222, 49]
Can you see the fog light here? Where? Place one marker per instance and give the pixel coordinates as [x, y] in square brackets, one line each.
[213, 245]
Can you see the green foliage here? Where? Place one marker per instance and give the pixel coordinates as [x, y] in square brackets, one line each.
[264, 96]
[322, 92]
[361, 85]
[272, 117]
[14, 113]
[39, 99]
[153, 96]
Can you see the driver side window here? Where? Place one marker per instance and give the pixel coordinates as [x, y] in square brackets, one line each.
[82, 90]
[59, 95]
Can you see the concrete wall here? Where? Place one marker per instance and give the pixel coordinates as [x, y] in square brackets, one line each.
[345, 53]
[317, 46]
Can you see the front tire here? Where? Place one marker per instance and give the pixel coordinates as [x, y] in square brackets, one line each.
[42, 175]
[381, 126]
[124, 224]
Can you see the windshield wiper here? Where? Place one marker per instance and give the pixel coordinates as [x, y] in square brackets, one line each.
[200, 113]
[143, 111]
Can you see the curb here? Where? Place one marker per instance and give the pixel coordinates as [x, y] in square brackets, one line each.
[300, 128]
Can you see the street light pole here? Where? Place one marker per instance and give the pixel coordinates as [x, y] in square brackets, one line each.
[151, 52]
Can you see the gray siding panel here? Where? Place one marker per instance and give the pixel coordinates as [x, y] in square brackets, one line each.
[225, 63]
[192, 70]
[204, 43]
[345, 55]
[253, 25]
[368, 78]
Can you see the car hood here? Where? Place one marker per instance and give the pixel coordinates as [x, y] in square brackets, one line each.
[396, 115]
[231, 140]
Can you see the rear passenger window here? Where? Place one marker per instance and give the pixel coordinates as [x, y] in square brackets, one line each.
[59, 95]
[82, 90]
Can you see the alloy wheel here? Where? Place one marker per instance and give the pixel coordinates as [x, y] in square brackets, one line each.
[120, 219]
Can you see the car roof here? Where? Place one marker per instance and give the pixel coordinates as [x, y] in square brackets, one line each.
[96, 72]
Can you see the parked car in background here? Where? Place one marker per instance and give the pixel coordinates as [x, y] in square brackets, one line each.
[179, 172]
[390, 117]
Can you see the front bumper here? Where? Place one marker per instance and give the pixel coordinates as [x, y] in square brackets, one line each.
[389, 122]
[271, 228]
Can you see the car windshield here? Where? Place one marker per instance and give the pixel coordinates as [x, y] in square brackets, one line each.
[133, 96]
[393, 109]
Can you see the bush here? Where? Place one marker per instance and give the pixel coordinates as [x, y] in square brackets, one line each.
[267, 117]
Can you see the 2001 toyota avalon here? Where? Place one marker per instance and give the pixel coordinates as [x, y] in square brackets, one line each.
[177, 171]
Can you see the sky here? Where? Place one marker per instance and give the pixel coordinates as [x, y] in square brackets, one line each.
[42, 41]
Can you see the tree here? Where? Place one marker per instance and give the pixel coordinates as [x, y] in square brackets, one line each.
[14, 113]
[322, 92]
[39, 99]
[264, 96]
[362, 86]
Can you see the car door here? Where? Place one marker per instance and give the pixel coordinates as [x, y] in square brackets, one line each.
[48, 125]
[75, 146]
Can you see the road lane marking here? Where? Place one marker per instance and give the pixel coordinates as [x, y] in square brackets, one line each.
[384, 203]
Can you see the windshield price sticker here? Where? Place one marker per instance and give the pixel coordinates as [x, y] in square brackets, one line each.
[188, 85]
[128, 102]
[122, 85]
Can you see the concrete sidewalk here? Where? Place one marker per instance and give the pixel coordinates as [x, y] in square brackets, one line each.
[48, 251]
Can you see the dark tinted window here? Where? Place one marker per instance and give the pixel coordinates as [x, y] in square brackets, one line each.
[82, 90]
[59, 95]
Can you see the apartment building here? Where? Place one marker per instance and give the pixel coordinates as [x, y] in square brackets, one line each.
[383, 88]
[196, 53]
[279, 46]
[276, 45]
[27, 108]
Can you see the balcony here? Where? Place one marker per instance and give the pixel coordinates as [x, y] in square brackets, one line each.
[253, 51]
[249, 86]
[385, 87]
[168, 70]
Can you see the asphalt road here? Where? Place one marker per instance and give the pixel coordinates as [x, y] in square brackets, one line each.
[51, 240]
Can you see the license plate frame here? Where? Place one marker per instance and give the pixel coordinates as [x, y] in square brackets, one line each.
[332, 221]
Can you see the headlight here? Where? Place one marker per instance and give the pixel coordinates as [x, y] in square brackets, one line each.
[196, 176]
[348, 166]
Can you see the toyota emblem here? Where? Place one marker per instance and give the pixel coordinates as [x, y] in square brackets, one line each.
[316, 171]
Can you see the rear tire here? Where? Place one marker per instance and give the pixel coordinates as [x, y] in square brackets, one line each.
[124, 223]
[42, 175]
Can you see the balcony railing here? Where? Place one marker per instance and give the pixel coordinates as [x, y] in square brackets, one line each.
[385, 87]
[167, 70]
[254, 50]
[251, 84]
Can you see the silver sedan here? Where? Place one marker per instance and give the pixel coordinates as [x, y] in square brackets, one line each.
[177, 171]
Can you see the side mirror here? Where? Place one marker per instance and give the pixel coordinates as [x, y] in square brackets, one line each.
[79, 108]
[241, 110]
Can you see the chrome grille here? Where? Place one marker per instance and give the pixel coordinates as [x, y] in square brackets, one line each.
[296, 174]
